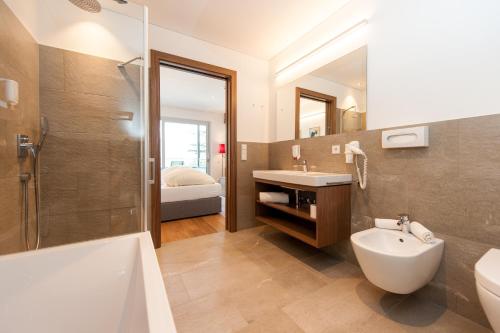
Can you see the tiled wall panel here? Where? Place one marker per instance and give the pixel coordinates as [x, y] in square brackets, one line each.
[452, 187]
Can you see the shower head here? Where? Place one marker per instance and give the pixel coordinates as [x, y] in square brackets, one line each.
[123, 64]
[92, 6]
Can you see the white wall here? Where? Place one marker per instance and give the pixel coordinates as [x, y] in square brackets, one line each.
[253, 78]
[217, 132]
[428, 60]
[285, 101]
[59, 24]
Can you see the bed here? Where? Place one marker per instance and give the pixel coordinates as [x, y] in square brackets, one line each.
[180, 202]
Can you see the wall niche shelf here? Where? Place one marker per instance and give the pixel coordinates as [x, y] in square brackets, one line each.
[333, 218]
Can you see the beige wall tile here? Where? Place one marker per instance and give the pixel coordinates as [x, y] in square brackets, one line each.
[19, 62]
[99, 76]
[77, 227]
[478, 138]
[451, 187]
[258, 159]
[51, 68]
[91, 161]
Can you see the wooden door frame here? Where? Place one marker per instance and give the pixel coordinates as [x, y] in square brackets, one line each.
[158, 59]
[331, 109]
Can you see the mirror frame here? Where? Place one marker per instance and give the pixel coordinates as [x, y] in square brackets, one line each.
[331, 109]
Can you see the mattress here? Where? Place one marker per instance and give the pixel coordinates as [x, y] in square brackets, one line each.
[193, 192]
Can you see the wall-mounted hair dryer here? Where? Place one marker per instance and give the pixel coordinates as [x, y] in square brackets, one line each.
[351, 149]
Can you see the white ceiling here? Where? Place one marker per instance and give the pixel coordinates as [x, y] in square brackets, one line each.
[191, 91]
[350, 70]
[260, 28]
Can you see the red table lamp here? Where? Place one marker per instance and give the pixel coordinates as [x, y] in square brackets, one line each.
[222, 150]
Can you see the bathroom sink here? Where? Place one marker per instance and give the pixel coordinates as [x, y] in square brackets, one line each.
[303, 178]
[395, 261]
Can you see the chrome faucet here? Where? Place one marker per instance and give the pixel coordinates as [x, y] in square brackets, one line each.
[24, 145]
[305, 166]
[404, 222]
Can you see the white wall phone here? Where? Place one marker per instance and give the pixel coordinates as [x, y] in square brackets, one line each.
[351, 149]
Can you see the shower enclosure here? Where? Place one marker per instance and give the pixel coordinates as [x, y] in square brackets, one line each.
[82, 66]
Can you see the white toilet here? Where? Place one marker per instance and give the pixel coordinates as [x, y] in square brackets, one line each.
[487, 274]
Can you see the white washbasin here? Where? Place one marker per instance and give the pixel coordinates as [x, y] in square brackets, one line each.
[395, 261]
[303, 178]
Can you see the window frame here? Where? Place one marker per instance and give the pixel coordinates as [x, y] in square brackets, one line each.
[163, 120]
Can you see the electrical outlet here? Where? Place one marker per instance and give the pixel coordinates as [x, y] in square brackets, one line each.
[335, 149]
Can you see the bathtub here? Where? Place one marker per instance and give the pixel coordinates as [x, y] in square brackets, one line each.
[107, 285]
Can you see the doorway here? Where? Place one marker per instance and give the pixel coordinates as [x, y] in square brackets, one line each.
[315, 114]
[189, 145]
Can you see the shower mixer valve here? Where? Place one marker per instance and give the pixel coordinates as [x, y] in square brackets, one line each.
[23, 145]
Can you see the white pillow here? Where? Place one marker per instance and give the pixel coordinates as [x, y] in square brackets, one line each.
[186, 177]
[165, 172]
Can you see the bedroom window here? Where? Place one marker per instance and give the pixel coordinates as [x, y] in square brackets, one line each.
[184, 143]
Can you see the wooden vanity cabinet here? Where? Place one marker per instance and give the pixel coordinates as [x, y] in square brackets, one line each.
[333, 219]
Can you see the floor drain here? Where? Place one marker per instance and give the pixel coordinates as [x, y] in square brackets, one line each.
[401, 240]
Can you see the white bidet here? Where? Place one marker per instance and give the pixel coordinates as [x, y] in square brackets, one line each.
[395, 261]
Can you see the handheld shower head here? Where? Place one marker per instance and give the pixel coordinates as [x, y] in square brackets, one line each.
[44, 125]
[44, 130]
[92, 6]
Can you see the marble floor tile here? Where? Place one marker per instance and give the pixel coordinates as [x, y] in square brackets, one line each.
[212, 313]
[272, 322]
[176, 290]
[259, 280]
[343, 304]
[415, 315]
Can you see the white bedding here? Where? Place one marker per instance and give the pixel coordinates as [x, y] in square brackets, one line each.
[192, 192]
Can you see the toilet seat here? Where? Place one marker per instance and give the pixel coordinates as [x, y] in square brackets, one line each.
[487, 272]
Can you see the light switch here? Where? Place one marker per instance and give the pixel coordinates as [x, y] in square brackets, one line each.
[335, 149]
[244, 155]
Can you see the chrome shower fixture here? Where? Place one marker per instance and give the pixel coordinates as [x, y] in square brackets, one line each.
[92, 6]
[24, 147]
[122, 2]
[123, 64]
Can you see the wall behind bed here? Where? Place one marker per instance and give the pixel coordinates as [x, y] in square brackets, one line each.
[217, 132]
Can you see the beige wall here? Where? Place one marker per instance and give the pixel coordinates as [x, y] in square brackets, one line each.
[91, 162]
[451, 187]
[257, 159]
[18, 61]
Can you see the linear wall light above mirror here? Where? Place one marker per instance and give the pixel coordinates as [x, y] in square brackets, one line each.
[333, 48]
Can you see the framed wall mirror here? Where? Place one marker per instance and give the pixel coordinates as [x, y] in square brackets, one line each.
[314, 113]
[328, 100]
